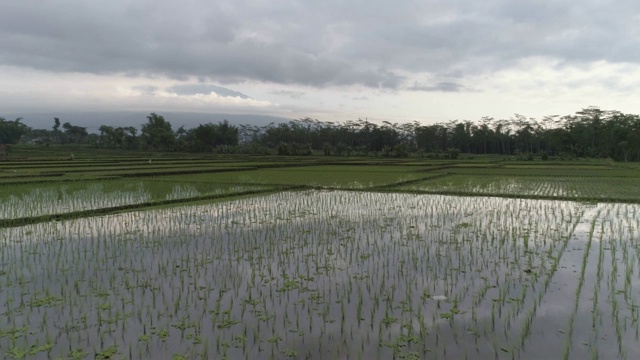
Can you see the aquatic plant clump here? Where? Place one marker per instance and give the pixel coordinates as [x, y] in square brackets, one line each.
[326, 274]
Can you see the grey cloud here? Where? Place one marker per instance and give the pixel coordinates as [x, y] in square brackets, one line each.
[211, 41]
[486, 36]
[444, 86]
[320, 43]
[146, 89]
[289, 93]
[205, 89]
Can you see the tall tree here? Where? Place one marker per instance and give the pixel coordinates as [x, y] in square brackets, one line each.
[12, 131]
[157, 133]
[74, 134]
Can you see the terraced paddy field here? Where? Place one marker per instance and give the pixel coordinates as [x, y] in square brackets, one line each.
[567, 187]
[316, 259]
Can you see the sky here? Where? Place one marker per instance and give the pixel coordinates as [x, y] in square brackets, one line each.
[403, 61]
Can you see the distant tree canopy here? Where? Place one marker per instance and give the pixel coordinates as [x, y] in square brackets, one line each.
[157, 133]
[209, 136]
[119, 138]
[590, 132]
[12, 131]
[74, 134]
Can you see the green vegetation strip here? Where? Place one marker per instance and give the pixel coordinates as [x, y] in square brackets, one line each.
[109, 163]
[97, 175]
[139, 173]
[52, 179]
[329, 176]
[123, 167]
[408, 182]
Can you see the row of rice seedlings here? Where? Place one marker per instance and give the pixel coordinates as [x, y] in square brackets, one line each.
[600, 315]
[517, 304]
[561, 187]
[596, 318]
[186, 191]
[61, 198]
[570, 340]
[622, 277]
[491, 185]
[56, 199]
[542, 279]
[311, 275]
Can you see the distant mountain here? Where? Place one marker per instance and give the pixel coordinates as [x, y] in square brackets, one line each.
[93, 120]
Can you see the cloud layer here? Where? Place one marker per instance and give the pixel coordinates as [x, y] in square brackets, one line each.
[330, 43]
[293, 51]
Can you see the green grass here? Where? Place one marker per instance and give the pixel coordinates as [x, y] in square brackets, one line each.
[329, 176]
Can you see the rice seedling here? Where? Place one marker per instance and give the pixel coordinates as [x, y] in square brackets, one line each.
[317, 274]
[621, 189]
[25, 201]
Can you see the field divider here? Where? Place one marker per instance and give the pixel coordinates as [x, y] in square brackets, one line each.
[49, 181]
[408, 182]
[158, 167]
[436, 168]
[185, 172]
[129, 175]
[6, 223]
[106, 163]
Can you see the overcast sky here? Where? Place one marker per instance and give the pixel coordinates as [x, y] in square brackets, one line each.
[429, 61]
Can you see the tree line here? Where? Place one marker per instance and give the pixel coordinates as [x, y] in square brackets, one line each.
[590, 132]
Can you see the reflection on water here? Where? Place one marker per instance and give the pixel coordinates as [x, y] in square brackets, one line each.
[329, 275]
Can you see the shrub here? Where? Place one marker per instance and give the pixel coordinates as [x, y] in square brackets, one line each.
[453, 153]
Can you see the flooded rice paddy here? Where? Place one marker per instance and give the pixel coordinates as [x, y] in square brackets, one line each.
[595, 188]
[328, 275]
[29, 201]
